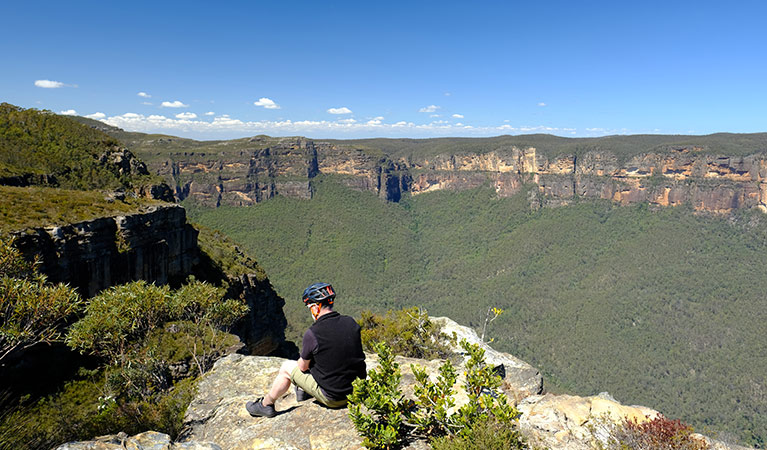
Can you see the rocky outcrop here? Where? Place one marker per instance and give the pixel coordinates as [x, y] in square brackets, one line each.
[521, 380]
[155, 245]
[263, 329]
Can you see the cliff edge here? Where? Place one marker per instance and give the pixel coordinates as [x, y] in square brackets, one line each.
[217, 419]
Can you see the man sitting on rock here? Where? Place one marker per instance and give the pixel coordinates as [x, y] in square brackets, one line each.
[331, 358]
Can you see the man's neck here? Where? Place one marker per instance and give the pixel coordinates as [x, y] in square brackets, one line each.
[324, 311]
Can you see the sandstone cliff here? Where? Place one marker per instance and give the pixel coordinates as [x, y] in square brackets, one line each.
[155, 245]
[661, 175]
[217, 419]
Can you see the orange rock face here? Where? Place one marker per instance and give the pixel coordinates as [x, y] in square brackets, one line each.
[674, 176]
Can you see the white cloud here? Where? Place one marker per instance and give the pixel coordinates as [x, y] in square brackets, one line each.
[49, 84]
[429, 109]
[210, 113]
[341, 110]
[144, 94]
[69, 112]
[96, 116]
[267, 103]
[541, 104]
[224, 126]
[147, 103]
[186, 115]
[435, 115]
[174, 104]
[458, 116]
[448, 94]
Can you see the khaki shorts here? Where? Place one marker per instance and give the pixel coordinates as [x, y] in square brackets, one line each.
[306, 381]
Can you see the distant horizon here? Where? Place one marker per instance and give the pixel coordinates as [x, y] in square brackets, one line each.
[400, 70]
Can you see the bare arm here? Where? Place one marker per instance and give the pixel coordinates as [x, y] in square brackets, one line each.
[303, 364]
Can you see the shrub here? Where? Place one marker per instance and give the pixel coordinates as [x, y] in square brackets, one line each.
[485, 434]
[381, 424]
[388, 417]
[117, 321]
[31, 309]
[659, 433]
[408, 332]
[78, 412]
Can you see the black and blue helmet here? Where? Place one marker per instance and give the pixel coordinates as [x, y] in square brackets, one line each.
[319, 293]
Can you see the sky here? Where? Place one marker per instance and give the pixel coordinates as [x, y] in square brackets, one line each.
[220, 70]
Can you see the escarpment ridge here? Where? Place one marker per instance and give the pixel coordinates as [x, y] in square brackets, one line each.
[716, 173]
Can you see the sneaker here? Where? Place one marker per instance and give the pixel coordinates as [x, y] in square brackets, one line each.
[301, 395]
[258, 409]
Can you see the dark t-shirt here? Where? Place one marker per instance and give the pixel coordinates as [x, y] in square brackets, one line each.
[334, 348]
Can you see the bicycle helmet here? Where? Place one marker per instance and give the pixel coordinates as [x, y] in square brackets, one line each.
[319, 293]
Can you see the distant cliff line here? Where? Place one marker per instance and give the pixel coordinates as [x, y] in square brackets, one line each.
[261, 168]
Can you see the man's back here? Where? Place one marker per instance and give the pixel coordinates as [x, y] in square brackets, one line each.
[337, 358]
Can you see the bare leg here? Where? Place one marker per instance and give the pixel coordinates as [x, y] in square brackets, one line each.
[281, 384]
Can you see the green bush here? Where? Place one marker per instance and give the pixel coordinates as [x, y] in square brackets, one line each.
[118, 320]
[485, 434]
[387, 419]
[380, 423]
[408, 332]
[155, 340]
[31, 309]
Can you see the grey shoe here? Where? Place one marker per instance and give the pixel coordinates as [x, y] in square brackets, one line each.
[258, 409]
[301, 395]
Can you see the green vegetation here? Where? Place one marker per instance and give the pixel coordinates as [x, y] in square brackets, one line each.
[32, 311]
[58, 151]
[32, 207]
[224, 254]
[155, 341]
[664, 308]
[658, 433]
[409, 332]
[385, 418]
[117, 321]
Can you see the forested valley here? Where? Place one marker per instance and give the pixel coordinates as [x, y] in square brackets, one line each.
[659, 306]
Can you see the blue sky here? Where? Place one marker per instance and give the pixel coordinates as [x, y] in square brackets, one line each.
[392, 69]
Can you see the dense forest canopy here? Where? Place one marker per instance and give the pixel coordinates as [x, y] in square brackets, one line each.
[664, 307]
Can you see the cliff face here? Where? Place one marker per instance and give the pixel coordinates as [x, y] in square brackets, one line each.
[156, 245]
[673, 176]
[683, 175]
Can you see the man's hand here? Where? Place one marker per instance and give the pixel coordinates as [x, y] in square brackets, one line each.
[303, 364]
